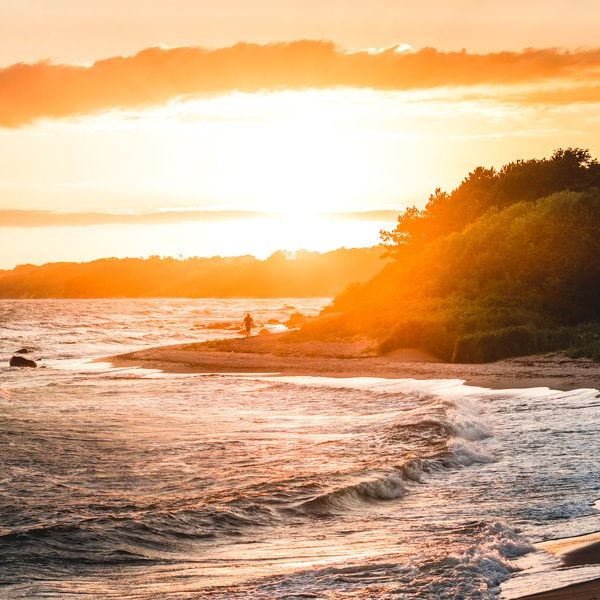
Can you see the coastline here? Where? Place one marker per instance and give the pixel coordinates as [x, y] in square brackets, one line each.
[578, 551]
[588, 590]
[285, 355]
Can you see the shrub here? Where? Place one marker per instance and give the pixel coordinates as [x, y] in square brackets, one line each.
[586, 343]
[489, 346]
[433, 336]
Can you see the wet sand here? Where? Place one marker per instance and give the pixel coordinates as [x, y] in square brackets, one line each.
[589, 590]
[573, 552]
[283, 354]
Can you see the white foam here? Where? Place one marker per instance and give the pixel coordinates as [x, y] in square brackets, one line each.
[447, 388]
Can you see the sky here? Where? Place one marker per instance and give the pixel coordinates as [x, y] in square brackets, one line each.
[140, 108]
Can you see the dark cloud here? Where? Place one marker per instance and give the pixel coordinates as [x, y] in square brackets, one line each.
[158, 75]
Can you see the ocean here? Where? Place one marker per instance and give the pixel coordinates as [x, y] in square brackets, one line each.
[131, 483]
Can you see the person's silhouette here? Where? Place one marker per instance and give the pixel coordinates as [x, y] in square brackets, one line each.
[248, 323]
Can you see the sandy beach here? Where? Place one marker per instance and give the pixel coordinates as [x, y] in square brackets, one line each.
[286, 355]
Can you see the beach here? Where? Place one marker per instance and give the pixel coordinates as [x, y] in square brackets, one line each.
[573, 552]
[282, 353]
[274, 465]
[582, 591]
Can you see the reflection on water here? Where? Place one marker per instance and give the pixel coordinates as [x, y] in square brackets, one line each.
[127, 483]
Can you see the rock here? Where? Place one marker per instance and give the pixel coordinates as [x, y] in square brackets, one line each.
[264, 332]
[23, 351]
[229, 325]
[273, 321]
[296, 320]
[19, 361]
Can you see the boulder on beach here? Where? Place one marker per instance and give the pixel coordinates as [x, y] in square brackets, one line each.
[264, 331]
[23, 351]
[19, 361]
[296, 320]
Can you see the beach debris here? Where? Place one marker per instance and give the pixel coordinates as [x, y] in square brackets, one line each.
[19, 361]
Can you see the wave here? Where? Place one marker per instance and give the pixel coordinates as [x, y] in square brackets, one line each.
[387, 487]
[155, 537]
[396, 483]
[481, 563]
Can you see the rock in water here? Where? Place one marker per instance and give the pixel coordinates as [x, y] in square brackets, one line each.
[19, 361]
[264, 332]
[23, 351]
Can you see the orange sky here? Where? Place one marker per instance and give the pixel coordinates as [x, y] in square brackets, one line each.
[326, 106]
[76, 30]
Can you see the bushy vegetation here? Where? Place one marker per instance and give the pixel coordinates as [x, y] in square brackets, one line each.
[505, 265]
[586, 342]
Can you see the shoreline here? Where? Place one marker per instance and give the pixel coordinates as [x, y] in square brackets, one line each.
[587, 590]
[283, 354]
[574, 552]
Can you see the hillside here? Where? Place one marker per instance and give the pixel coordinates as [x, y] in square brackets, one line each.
[281, 275]
[506, 264]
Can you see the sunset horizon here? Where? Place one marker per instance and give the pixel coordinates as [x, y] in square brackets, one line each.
[299, 299]
[368, 112]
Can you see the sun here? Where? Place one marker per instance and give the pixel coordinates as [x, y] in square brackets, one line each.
[286, 152]
[300, 159]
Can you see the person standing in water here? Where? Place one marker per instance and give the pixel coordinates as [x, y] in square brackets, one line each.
[248, 323]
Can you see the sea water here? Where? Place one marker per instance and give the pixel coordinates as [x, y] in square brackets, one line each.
[131, 483]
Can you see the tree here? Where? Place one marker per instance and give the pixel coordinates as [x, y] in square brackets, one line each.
[485, 190]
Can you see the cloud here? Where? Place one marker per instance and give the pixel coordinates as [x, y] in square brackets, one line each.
[589, 94]
[158, 75]
[41, 218]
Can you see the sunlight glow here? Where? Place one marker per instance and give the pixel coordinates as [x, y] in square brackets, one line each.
[260, 237]
[295, 153]
[310, 151]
